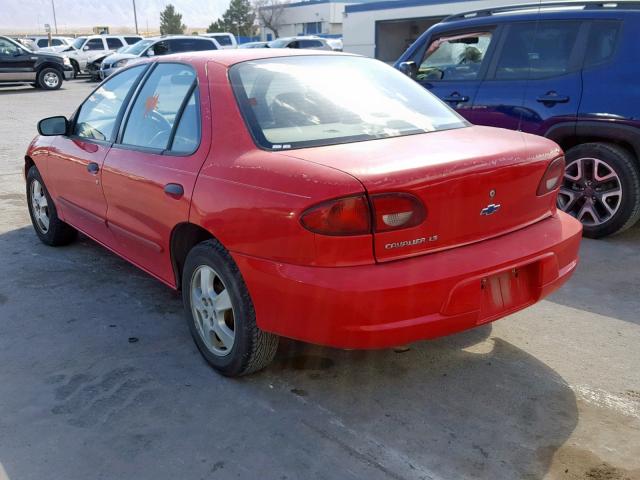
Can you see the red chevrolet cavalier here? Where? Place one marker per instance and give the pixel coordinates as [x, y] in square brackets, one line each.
[317, 196]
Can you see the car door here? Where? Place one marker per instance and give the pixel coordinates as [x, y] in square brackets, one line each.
[16, 63]
[534, 80]
[149, 174]
[75, 161]
[452, 65]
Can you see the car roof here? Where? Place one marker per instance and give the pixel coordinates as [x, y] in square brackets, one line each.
[228, 57]
[557, 9]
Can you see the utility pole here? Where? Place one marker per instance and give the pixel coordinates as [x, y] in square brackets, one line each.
[55, 22]
[135, 15]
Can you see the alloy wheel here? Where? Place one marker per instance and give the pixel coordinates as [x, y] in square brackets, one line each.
[212, 310]
[39, 206]
[51, 79]
[591, 191]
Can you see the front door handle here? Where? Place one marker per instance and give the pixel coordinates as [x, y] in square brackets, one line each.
[174, 190]
[551, 98]
[93, 168]
[455, 97]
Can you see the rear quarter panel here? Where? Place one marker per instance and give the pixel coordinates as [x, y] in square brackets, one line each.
[251, 200]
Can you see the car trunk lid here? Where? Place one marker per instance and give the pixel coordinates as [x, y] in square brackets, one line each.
[475, 182]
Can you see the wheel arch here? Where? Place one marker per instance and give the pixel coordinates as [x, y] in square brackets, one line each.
[28, 163]
[184, 237]
[49, 64]
[568, 135]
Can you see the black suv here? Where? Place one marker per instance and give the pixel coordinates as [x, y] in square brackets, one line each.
[566, 71]
[18, 64]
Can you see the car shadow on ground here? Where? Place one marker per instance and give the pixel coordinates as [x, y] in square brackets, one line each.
[98, 352]
[606, 284]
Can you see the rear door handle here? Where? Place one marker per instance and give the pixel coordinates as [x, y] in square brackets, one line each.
[456, 98]
[93, 168]
[552, 98]
[174, 190]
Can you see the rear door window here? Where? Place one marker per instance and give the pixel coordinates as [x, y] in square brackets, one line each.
[114, 43]
[190, 45]
[536, 50]
[160, 102]
[455, 57]
[43, 42]
[309, 44]
[132, 40]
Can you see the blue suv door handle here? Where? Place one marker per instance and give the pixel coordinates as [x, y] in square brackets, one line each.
[456, 98]
[552, 98]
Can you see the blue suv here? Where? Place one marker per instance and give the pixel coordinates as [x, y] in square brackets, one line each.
[566, 71]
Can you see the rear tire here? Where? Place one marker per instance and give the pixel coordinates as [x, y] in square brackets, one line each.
[49, 79]
[601, 188]
[221, 315]
[50, 229]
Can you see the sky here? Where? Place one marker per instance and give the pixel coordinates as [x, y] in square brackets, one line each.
[31, 15]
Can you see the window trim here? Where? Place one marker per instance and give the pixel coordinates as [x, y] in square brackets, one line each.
[496, 35]
[576, 56]
[74, 117]
[132, 98]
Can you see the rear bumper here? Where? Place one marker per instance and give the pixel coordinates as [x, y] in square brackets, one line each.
[394, 303]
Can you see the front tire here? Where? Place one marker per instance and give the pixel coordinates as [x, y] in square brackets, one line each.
[49, 79]
[220, 313]
[50, 229]
[601, 188]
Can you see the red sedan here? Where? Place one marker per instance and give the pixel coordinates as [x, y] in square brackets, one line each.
[317, 196]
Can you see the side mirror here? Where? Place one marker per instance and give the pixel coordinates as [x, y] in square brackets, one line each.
[410, 69]
[150, 52]
[19, 52]
[52, 126]
[85, 48]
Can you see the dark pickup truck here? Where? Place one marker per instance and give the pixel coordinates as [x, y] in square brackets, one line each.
[18, 64]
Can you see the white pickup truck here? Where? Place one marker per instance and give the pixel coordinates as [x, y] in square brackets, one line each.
[84, 50]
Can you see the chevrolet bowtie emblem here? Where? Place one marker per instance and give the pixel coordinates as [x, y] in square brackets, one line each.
[490, 209]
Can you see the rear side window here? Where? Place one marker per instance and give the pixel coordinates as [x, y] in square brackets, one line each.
[224, 40]
[537, 50]
[56, 42]
[97, 116]
[309, 44]
[187, 137]
[160, 102]
[455, 57]
[114, 43]
[94, 44]
[603, 37]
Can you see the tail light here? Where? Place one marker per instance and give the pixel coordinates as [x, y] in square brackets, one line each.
[394, 211]
[352, 215]
[552, 177]
[342, 216]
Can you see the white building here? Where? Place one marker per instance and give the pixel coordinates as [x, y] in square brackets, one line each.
[313, 17]
[385, 29]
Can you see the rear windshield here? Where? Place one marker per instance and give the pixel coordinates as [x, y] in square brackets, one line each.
[224, 40]
[297, 102]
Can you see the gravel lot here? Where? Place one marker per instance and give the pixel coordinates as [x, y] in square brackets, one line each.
[552, 392]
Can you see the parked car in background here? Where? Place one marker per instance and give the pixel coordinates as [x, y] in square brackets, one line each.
[86, 49]
[335, 44]
[225, 40]
[569, 73]
[21, 65]
[157, 46]
[307, 42]
[254, 45]
[28, 43]
[310, 195]
[57, 42]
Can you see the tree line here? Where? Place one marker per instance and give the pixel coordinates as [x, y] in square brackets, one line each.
[239, 18]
